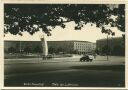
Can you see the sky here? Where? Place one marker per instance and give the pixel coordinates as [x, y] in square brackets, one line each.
[87, 33]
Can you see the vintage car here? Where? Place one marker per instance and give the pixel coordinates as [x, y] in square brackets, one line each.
[87, 58]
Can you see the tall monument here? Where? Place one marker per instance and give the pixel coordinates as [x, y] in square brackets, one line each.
[44, 45]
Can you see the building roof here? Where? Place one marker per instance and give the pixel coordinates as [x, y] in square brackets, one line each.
[110, 38]
[52, 41]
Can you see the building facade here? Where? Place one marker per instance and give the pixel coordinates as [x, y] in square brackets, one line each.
[68, 47]
[84, 47]
[111, 46]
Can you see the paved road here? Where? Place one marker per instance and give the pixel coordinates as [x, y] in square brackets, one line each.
[67, 72]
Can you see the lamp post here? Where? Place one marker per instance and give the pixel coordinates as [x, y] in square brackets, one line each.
[107, 47]
[20, 47]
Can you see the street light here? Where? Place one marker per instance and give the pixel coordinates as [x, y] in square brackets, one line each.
[107, 48]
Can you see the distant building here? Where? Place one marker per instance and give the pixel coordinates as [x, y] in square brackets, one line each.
[78, 47]
[111, 46]
[71, 46]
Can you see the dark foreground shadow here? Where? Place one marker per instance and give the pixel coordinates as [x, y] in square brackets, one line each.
[76, 76]
[101, 67]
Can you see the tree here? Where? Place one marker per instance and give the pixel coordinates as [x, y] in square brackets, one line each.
[60, 50]
[37, 49]
[75, 51]
[27, 50]
[106, 50]
[33, 17]
[11, 50]
[52, 50]
[97, 50]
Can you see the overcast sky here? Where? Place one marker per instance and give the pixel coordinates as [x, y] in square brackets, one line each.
[87, 33]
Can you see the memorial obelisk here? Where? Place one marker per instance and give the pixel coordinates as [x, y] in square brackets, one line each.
[44, 45]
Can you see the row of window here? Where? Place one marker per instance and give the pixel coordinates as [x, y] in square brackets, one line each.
[82, 44]
[84, 47]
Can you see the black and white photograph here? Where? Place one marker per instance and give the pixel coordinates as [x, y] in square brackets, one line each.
[64, 45]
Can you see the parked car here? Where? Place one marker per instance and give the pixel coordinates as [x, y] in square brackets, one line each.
[87, 58]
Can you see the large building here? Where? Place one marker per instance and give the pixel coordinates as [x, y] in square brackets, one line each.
[111, 46]
[79, 47]
[71, 46]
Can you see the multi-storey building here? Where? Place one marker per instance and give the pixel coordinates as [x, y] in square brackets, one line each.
[71, 46]
[112, 46]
